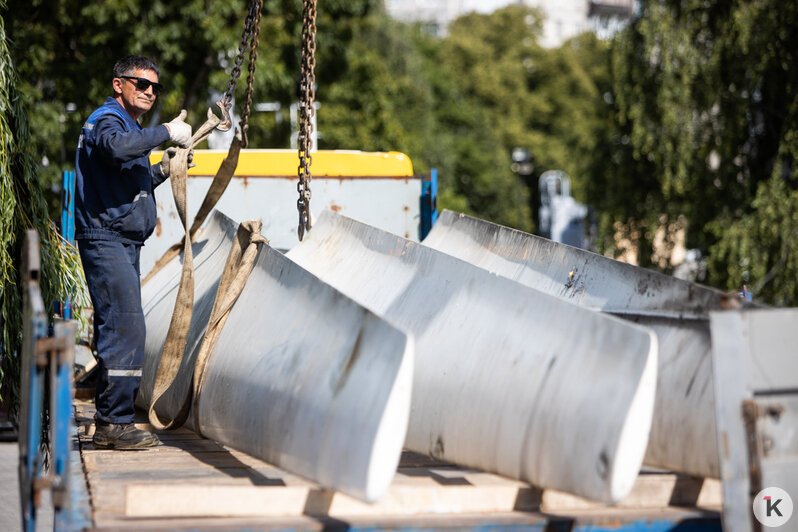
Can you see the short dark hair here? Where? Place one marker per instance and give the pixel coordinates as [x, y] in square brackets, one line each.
[126, 65]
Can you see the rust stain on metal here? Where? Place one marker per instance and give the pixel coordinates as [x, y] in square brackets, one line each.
[571, 276]
[750, 414]
[405, 208]
[334, 207]
[245, 180]
[158, 228]
[730, 302]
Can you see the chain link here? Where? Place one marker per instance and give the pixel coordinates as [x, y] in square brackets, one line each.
[246, 36]
[253, 58]
[307, 96]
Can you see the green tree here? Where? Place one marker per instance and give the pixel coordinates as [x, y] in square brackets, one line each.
[707, 94]
[65, 51]
[571, 127]
[22, 207]
[511, 92]
[486, 60]
[381, 88]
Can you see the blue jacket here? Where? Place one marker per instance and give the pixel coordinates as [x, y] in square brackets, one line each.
[114, 184]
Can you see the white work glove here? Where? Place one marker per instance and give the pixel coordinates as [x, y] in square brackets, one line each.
[167, 156]
[179, 131]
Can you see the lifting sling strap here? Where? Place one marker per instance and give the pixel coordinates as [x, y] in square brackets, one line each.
[243, 253]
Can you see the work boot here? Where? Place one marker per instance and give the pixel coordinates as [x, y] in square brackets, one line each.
[122, 436]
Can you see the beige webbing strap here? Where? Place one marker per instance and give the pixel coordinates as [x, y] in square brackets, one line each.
[218, 186]
[172, 354]
[240, 262]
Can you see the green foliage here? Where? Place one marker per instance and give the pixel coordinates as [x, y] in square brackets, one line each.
[688, 114]
[22, 207]
[481, 95]
[462, 103]
[458, 104]
[65, 51]
[706, 94]
[762, 246]
[516, 94]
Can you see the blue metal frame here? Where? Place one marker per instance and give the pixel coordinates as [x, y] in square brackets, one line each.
[33, 383]
[61, 420]
[698, 521]
[68, 207]
[42, 353]
[67, 225]
[429, 203]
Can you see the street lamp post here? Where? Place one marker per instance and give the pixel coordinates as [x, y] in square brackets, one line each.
[523, 167]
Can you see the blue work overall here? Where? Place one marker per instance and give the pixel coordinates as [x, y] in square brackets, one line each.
[114, 215]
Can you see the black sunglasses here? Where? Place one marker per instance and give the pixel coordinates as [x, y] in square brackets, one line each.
[143, 84]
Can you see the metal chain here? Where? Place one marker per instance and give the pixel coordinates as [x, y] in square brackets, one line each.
[306, 97]
[253, 58]
[246, 36]
[226, 103]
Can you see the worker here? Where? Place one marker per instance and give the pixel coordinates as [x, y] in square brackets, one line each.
[114, 215]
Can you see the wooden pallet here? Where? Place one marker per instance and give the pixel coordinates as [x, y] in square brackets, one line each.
[191, 482]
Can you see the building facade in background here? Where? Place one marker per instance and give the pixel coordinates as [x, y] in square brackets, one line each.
[564, 18]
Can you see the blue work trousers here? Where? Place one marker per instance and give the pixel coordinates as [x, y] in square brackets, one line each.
[112, 276]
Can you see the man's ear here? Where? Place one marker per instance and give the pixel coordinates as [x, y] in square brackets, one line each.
[117, 85]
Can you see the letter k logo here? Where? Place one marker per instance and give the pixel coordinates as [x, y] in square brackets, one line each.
[772, 506]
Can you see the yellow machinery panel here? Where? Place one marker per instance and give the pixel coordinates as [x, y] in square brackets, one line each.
[284, 163]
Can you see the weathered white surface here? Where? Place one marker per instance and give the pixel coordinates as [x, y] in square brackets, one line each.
[302, 376]
[683, 431]
[507, 379]
[754, 360]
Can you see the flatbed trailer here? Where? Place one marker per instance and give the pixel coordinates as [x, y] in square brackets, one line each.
[191, 483]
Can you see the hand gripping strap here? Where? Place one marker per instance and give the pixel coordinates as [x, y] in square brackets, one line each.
[218, 186]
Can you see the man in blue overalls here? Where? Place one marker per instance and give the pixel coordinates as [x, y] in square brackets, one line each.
[114, 215]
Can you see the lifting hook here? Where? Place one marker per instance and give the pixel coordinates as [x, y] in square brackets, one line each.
[225, 104]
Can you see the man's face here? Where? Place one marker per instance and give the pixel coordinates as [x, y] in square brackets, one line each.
[134, 99]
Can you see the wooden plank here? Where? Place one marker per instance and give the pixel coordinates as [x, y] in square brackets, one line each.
[650, 491]
[407, 496]
[87, 370]
[185, 500]
[182, 484]
[181, 500]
